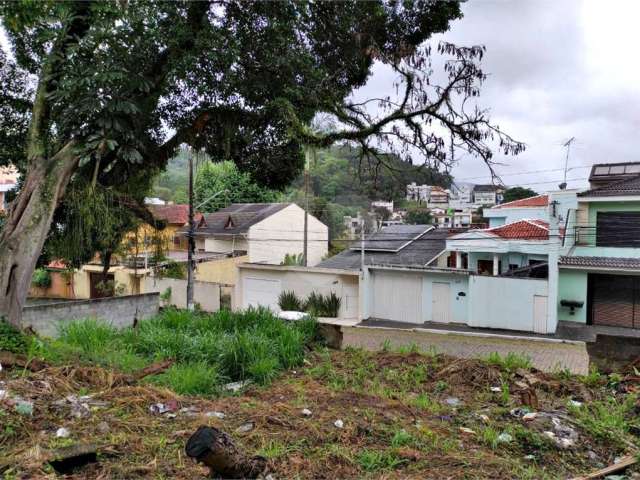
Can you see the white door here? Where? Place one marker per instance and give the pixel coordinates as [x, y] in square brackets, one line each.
[397, 296]
[261, 292]
[440, 309]
[540, 313]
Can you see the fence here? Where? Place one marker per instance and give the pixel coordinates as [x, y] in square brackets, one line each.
[45, 318]
[174, 292]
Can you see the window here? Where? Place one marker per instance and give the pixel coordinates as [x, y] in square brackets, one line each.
[617, 229]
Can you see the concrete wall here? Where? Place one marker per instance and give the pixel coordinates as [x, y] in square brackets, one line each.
[302, 281]
[223, 271]
[505, 303]
[225, 245]
[206, 294]
[283, 232]
[500, 216]
[572, 285]
[408, 295]
[119, 311]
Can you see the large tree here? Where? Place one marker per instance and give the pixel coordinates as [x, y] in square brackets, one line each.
[118, 86]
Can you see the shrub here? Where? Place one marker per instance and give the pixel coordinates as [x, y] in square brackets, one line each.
[175, 270]
[11, 338]
[289, 301]
[323, 305]
[41, 278]
[293, 259]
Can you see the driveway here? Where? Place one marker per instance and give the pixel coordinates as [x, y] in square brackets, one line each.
[546, 354]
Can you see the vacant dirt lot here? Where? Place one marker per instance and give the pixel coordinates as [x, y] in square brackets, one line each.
[348, 414]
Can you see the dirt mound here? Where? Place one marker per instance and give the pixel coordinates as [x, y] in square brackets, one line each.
[468, 372]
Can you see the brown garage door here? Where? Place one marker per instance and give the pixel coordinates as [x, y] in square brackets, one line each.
[616, 301]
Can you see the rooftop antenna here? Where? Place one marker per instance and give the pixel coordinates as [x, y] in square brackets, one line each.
[567, 144]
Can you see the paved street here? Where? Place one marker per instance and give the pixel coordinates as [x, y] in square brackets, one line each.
[546, 355]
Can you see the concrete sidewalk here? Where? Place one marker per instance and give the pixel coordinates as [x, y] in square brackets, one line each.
[546, 354]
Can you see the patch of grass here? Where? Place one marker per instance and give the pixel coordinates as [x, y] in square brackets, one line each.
[509, 362]
[273, 449]
[489, 437]
[505, 395]
[253, 344]
[426, 403]
[606, 419]
[378, 460]
[11, 338]
[593, 378]
[402, 438]
[198, 378]
[410, 348]
[530, 439]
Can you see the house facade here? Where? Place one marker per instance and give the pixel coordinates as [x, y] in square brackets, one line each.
[487, 194]
[264, 232]
[8, 181]
[600, 272]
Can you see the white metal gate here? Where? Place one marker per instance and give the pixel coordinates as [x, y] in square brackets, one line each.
[261, 292]
[441, 304]
[397, 296]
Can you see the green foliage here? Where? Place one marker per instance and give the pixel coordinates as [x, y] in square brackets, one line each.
[516, 193]
[41, 278]
[289, 301]
[377, 460]
[417, 215]
[196, 378]
[174, 270]
[11, 338]
[166, 295]
[293, 259]
[607, 419]
[510, 362]
[209, 349]
[323, 305]
[239, 187]
[110, 288]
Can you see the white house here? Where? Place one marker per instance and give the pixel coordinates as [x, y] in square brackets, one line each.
[265, 232]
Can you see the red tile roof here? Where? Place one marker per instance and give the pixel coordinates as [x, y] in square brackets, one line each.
[537, 201]
[522, 230]
[57, 264]
[173, 214]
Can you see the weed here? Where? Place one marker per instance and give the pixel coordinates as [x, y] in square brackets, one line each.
[386, 346]
[593, 379]
[530, 439]
[196, 378]
[510, 362]
[505, 395]
[410, 348]
[376, 460]
[441, 386]
[424, 402]
[92, 336]
[489, 437]
[274, 449]
[605, 419]
[12, 339]
[402, 438]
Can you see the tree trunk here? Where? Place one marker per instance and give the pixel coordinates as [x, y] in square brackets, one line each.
[217, 451]
[27, 226]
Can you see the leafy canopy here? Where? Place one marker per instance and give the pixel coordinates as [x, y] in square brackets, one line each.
[517, 193]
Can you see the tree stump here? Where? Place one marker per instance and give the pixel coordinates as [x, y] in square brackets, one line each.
[217, 451]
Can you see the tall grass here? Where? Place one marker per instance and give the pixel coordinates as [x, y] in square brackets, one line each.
[209, 349]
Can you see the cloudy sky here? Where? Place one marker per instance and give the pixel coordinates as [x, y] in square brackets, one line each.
[558, 69]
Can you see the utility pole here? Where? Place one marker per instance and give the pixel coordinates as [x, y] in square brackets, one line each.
[192, 240]
[305, 247]
[567, 144]
[362, 244]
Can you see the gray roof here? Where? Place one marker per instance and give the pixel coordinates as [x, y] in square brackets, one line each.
[392, 238]
[630, 186]
[418, 252]
[486, 188]
[601, 262]
[236, 218]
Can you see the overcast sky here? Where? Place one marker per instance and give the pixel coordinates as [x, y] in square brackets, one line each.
[558, 69]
